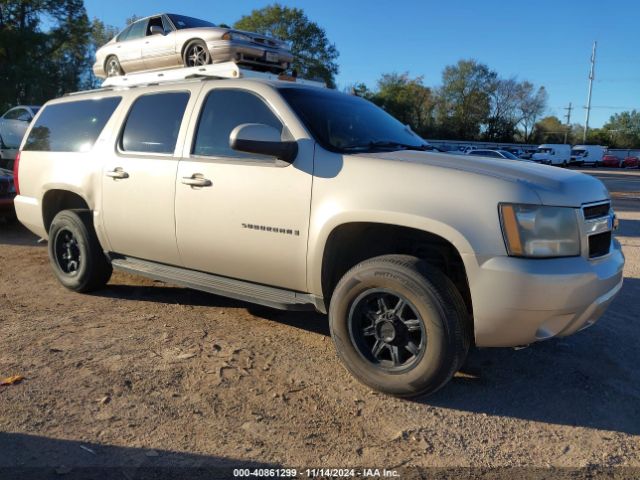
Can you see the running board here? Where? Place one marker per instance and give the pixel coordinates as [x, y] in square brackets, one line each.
[223, 286]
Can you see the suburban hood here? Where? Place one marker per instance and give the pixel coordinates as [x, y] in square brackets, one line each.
[553, 185]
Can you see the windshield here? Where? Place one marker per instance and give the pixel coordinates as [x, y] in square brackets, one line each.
[181, 22]
[346, 123]
[545, 150]
[576, 152]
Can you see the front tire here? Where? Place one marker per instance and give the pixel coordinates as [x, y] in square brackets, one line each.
[196, 54]
[75, 254]
[399, 325]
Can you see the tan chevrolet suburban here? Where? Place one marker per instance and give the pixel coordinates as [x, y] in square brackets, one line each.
[295, 196]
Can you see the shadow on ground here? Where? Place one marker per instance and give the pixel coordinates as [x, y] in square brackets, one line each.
[305, 320]
[34, 457]
[13, 233]
[589, 379]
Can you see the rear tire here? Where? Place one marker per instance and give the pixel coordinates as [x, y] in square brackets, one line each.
[112, 67]
[399, 325]
[75, 254]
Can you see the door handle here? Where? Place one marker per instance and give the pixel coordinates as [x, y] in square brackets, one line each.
[197, 180]
[117, 173]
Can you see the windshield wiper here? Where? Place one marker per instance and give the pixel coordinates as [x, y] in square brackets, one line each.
[388, 144]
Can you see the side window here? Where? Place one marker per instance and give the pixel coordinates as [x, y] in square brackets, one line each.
[71, 126]
[13, 114]
[138, 30]
[154, 122]
[154, 22]
[124, 34]
[223, 111]
[24, 115]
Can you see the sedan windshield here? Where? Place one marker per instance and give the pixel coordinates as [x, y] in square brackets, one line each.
[181, 22]
[346, 123]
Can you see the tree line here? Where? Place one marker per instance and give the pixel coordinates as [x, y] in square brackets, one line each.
[472, 103]
[47, 48]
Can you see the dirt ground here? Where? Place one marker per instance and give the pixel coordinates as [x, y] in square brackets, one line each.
[144, 375]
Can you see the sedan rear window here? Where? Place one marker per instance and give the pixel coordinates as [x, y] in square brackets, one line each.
[71, 126]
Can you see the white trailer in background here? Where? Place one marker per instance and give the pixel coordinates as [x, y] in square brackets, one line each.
[587, 155]
[553, 154]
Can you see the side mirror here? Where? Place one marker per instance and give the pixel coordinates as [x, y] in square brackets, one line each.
[263, 140]
[156, 30]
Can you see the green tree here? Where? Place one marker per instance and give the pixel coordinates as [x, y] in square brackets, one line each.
[503, 117]
[408, 100]
[465, 98]
[100, 34]
[549, 130]
[38, 63]
[314, 55]
[624, 129]
[531, 104]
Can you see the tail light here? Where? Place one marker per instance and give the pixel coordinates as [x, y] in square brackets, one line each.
[16, 168]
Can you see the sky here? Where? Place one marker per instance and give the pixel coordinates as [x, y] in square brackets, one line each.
[546, 42]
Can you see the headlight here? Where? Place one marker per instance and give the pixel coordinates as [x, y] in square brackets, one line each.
[539, 231]
[236, 36]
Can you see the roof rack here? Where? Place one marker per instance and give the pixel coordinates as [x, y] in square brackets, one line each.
[216, 70]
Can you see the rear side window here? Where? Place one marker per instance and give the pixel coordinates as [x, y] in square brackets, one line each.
[138, 30]
[223, 111]
[154, 122]
[71, 126]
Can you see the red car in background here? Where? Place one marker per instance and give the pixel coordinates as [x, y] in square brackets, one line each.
[613, 161]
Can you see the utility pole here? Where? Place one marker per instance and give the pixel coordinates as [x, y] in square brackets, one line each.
[568, 117]
[591, 77]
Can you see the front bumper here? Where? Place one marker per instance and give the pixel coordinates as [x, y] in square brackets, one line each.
[247, 53]
[519, 301]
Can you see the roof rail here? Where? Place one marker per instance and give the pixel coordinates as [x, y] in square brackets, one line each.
[216, 70]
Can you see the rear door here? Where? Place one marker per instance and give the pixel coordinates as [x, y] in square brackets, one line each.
[249, 218]
[129, 47]
[138, 179]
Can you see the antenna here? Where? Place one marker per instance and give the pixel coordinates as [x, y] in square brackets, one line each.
[591, 77]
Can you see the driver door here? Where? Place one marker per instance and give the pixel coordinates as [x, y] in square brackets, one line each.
[249, 217]
[159, 49]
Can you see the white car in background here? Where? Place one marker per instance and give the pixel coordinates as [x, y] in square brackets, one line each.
[168, 40]
[14, 124]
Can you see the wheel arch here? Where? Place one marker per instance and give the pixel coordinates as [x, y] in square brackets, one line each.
[348, 243]
[188, 42]
[56, 200]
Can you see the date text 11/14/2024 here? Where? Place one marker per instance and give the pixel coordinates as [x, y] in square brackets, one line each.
[315, 473]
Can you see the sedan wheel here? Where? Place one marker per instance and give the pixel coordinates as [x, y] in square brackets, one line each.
[196, 55]
[113, 67]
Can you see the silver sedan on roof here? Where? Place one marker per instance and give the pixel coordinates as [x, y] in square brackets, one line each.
[171, 41]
